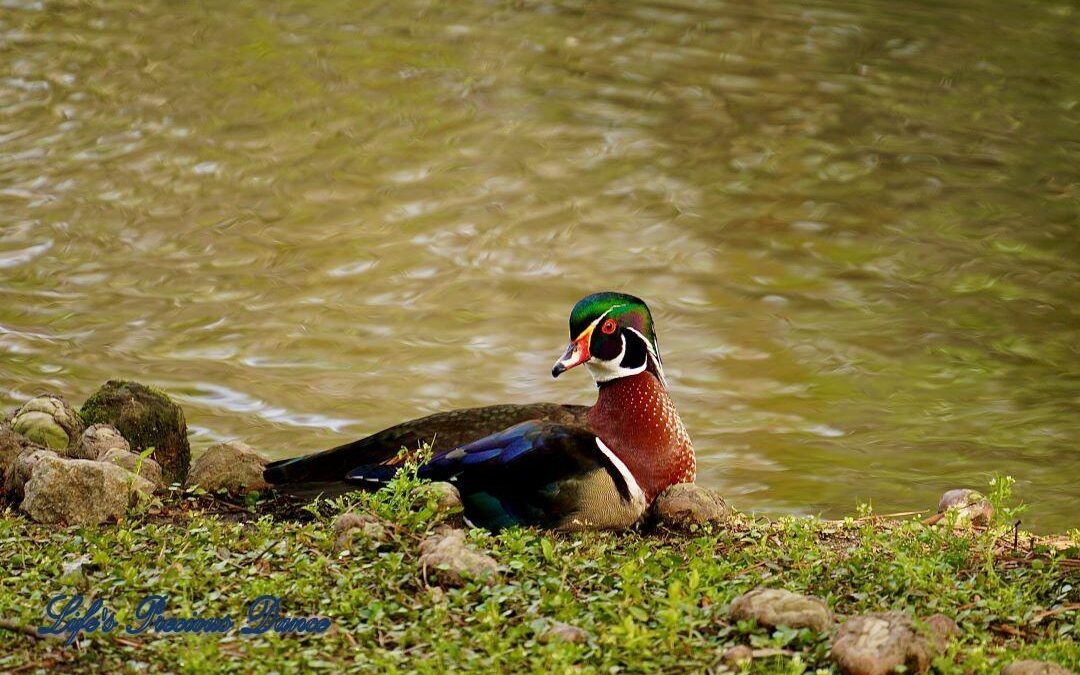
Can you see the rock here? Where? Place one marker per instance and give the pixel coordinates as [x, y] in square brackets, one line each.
[738, 656]
[876, 644]
[12, 445]
[557, 631]
[448, 561]
[942, 629]
[233, 466]
[80, 491]
[971, 508]
[96, 441]
[351, 525]
[774, 607]
[143, 466]
[147, 418]
[346, 522]
[21, 470]
[687, 505]
[449, 499]
[1029, 667]
[49, 421]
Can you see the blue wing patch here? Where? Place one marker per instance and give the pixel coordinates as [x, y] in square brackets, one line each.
[500, 448]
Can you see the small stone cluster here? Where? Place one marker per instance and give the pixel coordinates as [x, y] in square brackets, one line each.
[445, 557]
[60, 471]
[870, 644]
[90, 466]
[877, 643]
[447, 560]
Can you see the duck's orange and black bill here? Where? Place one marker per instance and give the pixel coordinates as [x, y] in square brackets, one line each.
[577, 353]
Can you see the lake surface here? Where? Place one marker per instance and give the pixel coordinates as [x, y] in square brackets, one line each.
[857, 223]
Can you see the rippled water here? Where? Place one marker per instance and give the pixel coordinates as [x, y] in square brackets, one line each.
[857, 223]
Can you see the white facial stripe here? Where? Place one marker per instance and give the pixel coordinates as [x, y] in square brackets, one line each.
[648, 344]
[592, 326]
[652, 351]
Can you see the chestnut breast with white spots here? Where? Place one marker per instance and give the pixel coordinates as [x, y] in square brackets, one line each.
[636, 418]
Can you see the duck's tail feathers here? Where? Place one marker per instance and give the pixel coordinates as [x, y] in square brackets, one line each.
[333, 465]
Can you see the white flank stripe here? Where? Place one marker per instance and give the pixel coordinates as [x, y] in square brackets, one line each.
[636, 494]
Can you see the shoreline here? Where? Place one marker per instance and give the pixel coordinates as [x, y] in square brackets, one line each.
[636, 601]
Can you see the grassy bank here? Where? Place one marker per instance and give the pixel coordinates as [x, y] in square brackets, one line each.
[651, 601]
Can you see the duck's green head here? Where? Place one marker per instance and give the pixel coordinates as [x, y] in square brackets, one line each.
[613, 335]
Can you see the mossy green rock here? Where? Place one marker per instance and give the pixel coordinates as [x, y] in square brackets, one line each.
[49, 421]
[147, 418]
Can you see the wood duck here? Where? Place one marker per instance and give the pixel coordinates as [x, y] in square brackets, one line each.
[565, 467]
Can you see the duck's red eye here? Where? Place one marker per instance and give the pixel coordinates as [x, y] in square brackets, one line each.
[608, 327]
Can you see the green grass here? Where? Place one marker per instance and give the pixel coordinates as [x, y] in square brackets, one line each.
[650, 601]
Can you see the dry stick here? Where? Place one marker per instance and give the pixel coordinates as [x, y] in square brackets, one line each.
[15, 627]
[753, 567]
[48, 663]
[934, 519]
[348, 636]
[1007, 629]
[229, 505]
[1059, 610]
[899, 514]
[263, 552]
[762, 653]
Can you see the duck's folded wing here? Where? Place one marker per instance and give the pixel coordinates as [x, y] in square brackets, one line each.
[443, 431]
[538, 473]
